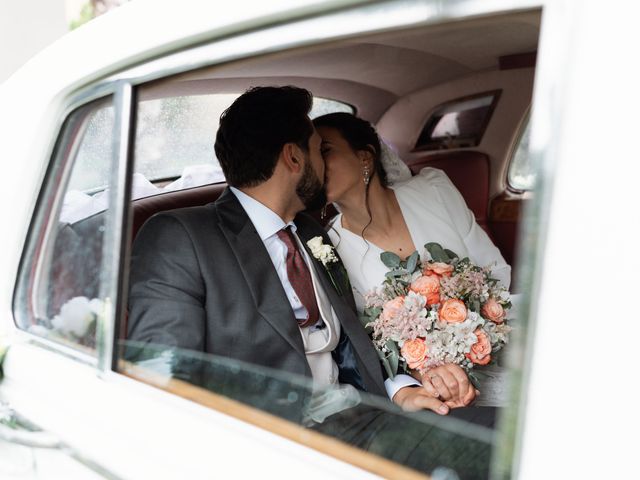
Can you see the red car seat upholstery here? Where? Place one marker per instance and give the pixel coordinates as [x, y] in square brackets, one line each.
[469, 172]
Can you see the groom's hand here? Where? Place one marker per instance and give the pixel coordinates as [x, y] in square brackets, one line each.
[412, 399]
[451, 384]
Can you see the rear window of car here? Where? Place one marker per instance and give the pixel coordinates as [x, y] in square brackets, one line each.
[175, 139]
[459, 123]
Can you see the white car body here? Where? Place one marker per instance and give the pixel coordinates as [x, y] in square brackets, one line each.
[577, 404]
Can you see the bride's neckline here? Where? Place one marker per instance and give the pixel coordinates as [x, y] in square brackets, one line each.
[365, 242]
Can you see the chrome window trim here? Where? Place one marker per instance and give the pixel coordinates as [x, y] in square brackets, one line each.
[522, 127]
[41, 224]
[114, 248]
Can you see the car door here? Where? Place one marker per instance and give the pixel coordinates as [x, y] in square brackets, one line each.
[65, 371]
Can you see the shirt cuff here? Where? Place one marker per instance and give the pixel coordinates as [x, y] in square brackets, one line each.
[392, 385]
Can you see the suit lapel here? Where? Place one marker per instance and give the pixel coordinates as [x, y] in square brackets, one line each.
[258, 270]
[346, 312]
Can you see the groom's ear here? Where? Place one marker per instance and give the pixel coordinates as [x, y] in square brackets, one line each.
[292, 157]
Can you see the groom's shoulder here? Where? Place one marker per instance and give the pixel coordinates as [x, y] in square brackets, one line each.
[191, 219]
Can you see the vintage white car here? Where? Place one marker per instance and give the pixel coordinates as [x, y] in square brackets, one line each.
[526, 105]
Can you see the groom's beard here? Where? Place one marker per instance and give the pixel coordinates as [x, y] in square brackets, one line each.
[310, 190]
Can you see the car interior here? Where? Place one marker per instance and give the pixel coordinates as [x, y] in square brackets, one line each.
[408, 85]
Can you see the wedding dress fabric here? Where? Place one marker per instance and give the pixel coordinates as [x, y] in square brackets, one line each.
[434, 211]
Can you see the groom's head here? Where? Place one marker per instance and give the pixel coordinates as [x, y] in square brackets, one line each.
[265, 126]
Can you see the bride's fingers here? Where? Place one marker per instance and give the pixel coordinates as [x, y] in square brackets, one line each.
[445, 383]
[464, 385]
[469, 397]
[431, 390]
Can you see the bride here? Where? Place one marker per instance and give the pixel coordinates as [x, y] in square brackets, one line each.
[382, 208]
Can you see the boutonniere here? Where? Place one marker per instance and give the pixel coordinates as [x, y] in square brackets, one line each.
[326, 254]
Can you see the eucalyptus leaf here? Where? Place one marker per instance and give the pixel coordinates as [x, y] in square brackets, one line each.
[412, 262]
[372, 312]
[393, 347]
[473, 378]
[451, 254]
[396, 273]
[364, 320]
[390, 259]
[437, 252]
[385, 364]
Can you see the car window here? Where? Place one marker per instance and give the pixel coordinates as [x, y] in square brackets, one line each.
[59, 293]
[175, 138]
[522, 172]
[458, 124]
[291, 406]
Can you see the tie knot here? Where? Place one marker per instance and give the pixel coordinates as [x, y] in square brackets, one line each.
[287, 237]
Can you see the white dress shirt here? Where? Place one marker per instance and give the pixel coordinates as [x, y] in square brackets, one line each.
[267, 224]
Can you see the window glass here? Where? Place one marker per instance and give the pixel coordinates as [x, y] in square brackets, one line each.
[458, 124]
[522, 173]
[445, 447]
[59, 294]
[175, 138]
[182, 292]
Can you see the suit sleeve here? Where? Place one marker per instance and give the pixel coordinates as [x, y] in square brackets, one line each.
[166, 296]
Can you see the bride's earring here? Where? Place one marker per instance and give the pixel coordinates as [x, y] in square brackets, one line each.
[366, 174]
[323, 213]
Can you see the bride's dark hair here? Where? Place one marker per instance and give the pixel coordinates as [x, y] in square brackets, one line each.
[360, 135]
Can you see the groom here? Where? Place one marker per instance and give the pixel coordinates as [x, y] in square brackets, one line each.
[236, 278]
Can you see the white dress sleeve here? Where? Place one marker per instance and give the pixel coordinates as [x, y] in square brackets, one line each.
[479, 246]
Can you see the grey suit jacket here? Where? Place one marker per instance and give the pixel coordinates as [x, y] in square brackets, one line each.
[202, 279]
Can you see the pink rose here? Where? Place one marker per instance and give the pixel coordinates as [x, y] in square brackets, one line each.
[453, 311]
[428, 287]
[481, 350]
[414, 352]
[440, 269]
[493, 311]
[393, 308]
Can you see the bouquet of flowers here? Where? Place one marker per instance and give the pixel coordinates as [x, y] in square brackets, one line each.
[441, 310]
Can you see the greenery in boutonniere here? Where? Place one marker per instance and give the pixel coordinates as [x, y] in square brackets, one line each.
[326, 255]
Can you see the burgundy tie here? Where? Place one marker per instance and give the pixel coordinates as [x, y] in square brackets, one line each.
[300, 278]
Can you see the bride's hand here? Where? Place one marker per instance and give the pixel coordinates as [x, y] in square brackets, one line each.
[451, 384]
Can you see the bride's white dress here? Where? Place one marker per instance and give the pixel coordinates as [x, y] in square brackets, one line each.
[434, 211]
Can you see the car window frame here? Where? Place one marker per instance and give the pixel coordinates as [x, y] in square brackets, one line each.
[525, 123]
[123, 86]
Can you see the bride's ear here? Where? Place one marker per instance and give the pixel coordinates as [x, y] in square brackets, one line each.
[366, 156]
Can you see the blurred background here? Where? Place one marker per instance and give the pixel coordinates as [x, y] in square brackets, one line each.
[28, 26]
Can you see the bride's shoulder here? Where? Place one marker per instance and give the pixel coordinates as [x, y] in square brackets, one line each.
[427, 178]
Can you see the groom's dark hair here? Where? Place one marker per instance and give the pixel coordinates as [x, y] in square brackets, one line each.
[255, 128]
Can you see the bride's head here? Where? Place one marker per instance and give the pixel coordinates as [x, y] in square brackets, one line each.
[351, 151]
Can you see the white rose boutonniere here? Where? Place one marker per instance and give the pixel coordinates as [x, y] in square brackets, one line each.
[326, 255]
[321, 251]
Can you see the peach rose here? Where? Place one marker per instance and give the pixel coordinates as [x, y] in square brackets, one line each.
[393, 308]
[428, 287]
[493, 311]
[414, 352]
[440, 269]
[453, 311]
[481, 350]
